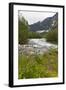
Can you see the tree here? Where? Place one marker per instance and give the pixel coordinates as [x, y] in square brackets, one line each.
[23, 30]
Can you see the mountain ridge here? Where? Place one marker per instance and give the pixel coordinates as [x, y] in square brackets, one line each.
[46, 24]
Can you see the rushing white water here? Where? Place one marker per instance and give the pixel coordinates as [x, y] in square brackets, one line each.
[41, 43]
[38, 46]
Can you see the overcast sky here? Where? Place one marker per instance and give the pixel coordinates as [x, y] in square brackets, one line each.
[33, 17]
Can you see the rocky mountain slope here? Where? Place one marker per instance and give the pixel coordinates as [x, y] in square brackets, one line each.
[46, 24]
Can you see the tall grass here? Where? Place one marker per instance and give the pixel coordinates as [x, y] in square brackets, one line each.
[38, 66]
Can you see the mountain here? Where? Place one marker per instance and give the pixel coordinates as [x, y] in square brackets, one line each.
[46, 24]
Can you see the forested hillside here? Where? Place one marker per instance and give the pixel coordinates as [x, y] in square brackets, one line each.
[23, 30]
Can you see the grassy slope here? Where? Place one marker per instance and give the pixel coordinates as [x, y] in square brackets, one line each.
[38, 66]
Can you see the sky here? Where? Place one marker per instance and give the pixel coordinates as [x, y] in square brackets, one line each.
[33, 17]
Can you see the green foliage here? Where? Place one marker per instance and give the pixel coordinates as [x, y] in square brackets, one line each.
[23, 31]
[34, 35]
[38, 66]
[52, 36]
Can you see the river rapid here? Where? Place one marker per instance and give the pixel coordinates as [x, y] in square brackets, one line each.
[36, 46]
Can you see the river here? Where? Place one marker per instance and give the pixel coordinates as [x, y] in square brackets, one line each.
[36, 46]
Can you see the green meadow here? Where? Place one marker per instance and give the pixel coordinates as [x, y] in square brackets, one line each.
[38, 66]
